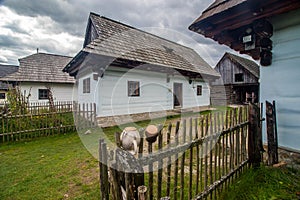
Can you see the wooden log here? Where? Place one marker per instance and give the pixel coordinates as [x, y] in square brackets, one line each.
[151, 133]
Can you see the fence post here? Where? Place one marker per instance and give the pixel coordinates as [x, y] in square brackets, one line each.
[254, 132]
[271, 133]
[104, 184]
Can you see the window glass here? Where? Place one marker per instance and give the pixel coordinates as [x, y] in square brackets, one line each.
[133, 88]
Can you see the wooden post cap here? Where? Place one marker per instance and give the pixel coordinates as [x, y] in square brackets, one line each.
[129, 128]
[151, 133]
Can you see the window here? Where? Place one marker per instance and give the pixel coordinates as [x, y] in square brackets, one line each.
[133, 88]
[199, 90]
[239, 77]
[43, 94]
[86, 85]
[2, 95]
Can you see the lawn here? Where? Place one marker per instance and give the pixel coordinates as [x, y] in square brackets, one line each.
[266, 183]
[55, 167]
[59, 167]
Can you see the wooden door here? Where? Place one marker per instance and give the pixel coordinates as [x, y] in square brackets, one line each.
[177, 94]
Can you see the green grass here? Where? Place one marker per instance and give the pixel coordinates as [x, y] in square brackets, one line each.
[54, 167]
[266, 183]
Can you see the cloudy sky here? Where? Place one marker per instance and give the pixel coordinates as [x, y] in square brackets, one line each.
[58, 26]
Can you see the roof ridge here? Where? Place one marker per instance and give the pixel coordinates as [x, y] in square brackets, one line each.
[246, 63]
[49, 54]
[132, 27]
[242, 58]
[8, 65]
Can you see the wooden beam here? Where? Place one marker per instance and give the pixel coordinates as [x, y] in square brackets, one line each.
[235, 18]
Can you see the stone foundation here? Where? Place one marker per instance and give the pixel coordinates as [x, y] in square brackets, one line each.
[289, 156]
[123, 119]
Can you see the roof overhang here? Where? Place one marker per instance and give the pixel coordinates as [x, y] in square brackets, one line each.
[243, 25]
[96, 63]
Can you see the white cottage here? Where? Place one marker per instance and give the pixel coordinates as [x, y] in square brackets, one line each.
[39, 72]
[269, 31]
[128, 72]
[5, 70]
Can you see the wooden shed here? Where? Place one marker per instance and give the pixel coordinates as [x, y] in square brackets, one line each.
[239, 79]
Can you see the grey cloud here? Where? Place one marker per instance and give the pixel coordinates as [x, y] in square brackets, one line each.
[71, 16]
[63, 12]
[9, 41]
[16, 28]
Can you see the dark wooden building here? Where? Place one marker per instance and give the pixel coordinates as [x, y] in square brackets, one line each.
[239, 82]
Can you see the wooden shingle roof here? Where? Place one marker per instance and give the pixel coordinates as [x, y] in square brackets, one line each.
[217, 7]
[249, 65]
[7, 69]
[110, 38]
[42, 67]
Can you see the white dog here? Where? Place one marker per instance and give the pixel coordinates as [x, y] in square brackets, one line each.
[130, 140]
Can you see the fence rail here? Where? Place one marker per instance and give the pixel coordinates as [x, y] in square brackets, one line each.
[43, 119]
[191, 159]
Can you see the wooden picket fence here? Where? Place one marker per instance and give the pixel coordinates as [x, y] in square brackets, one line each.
[85, 115]
[195, 158]
[41, 119]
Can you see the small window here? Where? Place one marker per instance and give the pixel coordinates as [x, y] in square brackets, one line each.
[239, 77]
[2, 95]
[86, 85]
[199, 90]
[133, 88]
[43, 94]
